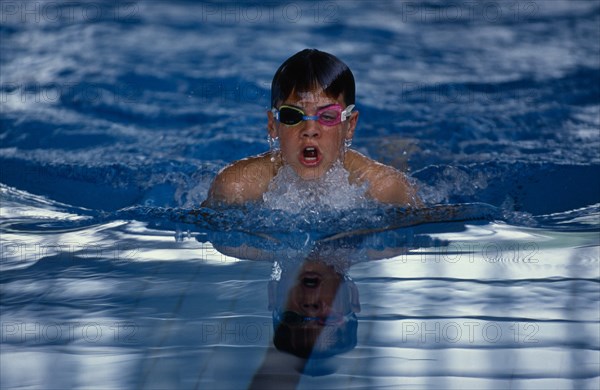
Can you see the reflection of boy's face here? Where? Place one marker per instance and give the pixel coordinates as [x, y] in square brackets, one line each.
[327, 140]
[314, 311]
[314, 290]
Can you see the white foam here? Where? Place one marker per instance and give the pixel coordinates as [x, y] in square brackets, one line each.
[289, 192]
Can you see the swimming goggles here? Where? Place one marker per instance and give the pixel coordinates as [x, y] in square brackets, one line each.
[329, 116]
[291, 318]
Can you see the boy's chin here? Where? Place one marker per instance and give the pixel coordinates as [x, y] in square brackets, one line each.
[311, 173]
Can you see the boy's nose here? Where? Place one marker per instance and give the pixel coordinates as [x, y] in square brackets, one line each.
[311, 129]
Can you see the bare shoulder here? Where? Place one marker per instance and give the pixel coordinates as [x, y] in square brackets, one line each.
[241, 181]
[386, 183]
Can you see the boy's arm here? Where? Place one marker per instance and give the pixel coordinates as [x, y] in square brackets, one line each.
[391, 186]
[386, 184]
[226, 189]
[243, 181]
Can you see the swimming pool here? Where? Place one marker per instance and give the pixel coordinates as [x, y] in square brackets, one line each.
[116, 117]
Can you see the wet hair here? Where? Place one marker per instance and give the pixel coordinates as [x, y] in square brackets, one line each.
[312, 69]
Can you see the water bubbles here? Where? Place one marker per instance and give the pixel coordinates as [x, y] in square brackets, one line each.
[333, 191]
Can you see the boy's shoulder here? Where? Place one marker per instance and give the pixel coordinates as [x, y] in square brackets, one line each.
[363, 168]
[386, 184]
[249, 169]
[242, 181]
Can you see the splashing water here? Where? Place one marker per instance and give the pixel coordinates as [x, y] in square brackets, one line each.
[333, 191]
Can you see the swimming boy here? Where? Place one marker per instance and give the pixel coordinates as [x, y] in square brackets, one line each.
[313, 118]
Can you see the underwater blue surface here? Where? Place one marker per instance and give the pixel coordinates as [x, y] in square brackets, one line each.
[116, 116]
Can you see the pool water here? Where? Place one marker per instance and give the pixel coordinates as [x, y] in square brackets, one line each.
[116, 117]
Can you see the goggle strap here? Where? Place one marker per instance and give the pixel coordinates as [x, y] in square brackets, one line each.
[347, 112]
[275, 113]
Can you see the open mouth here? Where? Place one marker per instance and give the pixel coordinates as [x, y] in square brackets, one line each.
[310, 156]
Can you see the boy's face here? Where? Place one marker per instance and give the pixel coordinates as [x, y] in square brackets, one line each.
[309, 147]
[313, 291]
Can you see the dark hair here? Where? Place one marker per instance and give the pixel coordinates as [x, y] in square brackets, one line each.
[310, 69]
[302, 341]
